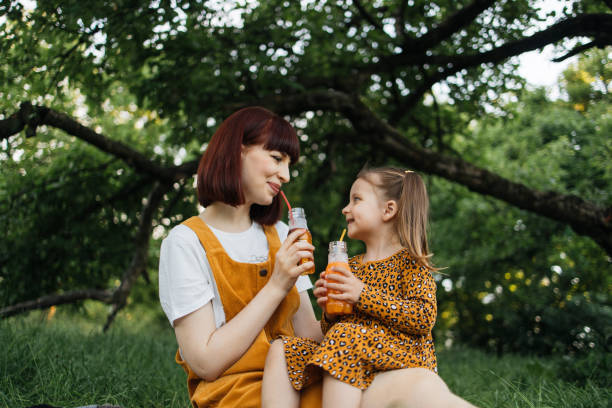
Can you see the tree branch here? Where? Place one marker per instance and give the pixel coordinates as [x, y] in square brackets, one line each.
[588, 25]
[57, 299]
[34, 116]
[118, 297]
[448, 27]
[576, 50]
[364, 13]
[139, 260]
[598, 26]
[29, 117]
[400, 25]
[584, 217]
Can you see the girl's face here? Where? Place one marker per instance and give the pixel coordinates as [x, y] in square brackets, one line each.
[263, 173]
[365, 210]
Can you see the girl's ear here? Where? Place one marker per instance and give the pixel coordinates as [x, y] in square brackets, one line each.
[390, 210]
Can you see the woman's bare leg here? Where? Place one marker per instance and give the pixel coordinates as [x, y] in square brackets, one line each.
[337, 394]
[276, 388]
[410, 388]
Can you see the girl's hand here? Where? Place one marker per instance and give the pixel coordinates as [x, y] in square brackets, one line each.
[320, 291]
[286, 269]
[346, 283]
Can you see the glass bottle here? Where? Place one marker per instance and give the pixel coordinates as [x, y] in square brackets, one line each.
[338, 256]
[297, 219]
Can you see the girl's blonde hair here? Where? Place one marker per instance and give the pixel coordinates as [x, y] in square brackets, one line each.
[407, 189]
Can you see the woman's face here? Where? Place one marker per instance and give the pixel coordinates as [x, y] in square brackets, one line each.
[263, 173]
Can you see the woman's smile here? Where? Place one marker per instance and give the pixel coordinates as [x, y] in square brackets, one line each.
[275, 187]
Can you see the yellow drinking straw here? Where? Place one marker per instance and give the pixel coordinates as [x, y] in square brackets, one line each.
[342, 236]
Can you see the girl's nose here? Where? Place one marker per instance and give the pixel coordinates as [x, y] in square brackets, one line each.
[345, 210]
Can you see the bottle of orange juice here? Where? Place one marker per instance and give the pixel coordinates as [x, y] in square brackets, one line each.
[297, 219]
[337, 256]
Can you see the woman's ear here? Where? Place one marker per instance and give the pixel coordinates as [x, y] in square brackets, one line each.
[390, 210]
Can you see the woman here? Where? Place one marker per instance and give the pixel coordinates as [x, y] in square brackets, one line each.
[227, 284]
[229, 287]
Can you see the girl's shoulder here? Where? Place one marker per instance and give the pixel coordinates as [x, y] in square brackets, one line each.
[401, 260]
[355, 261]
[401, 256]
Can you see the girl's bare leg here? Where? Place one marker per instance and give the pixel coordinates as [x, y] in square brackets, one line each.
[410, 388]
[276, 388]
[337, 394]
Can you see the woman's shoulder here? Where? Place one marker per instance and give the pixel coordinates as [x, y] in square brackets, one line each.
[180, 235]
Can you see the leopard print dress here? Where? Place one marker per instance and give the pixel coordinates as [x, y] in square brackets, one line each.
[389, 329]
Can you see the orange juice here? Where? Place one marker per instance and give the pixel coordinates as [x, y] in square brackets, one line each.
[335, 307]
[306, 236]
[338, 256]
[297, 220]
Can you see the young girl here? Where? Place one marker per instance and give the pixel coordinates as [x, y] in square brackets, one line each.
[393, 295]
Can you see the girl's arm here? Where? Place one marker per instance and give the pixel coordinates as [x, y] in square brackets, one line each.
[209, 351]
[305, 322]
[413, 311]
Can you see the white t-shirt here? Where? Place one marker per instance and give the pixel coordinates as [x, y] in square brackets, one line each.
[186, 282]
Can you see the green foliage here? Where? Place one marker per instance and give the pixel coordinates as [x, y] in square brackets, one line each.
[70, 211]
[160, 76]
[516, 281]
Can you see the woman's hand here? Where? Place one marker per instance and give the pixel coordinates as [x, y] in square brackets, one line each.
[346, 283]
[286, 268]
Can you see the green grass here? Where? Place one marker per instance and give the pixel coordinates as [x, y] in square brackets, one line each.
[527, 381]
[66, 361]
[69, 362]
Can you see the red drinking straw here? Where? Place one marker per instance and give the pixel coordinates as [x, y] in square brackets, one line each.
[287, 202]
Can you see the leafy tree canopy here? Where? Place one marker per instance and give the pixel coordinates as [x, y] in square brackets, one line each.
[107, 105]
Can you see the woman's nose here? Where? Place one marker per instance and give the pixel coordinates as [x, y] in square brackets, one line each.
[283, 173]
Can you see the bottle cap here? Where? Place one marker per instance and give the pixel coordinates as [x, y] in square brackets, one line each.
[297, 219]
[337, 246]
[298, 212]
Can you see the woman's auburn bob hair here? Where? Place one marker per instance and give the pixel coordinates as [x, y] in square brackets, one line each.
[220, 168]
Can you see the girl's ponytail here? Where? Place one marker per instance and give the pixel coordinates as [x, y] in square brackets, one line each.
[413, 214]
[408, 190]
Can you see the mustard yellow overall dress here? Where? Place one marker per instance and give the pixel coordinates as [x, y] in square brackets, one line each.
[238, 283]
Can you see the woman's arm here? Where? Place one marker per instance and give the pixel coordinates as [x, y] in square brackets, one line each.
[304, 320]
[209, 351]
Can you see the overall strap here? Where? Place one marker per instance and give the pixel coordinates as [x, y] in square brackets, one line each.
[207, 238]
[273, 240]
